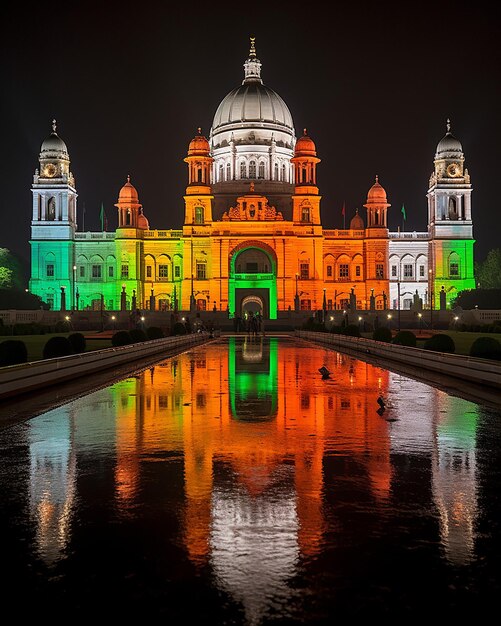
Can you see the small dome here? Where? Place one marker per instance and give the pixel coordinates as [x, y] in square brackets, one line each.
[376, 194]
[357, 223]
[199, 146]
[449, 146]
[305, 146]
[128, 193]
[142, 221]
[54, 143]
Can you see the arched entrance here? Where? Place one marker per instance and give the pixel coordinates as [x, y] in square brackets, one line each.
[252, 304]
[252, 285]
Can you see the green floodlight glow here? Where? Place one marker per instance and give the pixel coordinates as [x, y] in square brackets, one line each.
[253, 378]
[265, 281]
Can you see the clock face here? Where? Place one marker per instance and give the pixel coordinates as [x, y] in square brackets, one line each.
[50, 170]
[453, 170]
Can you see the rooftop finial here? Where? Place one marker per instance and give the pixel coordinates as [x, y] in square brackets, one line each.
[199, 130]
[377, 178]
[304, 132]
[252, 51]
[448, 125]
[252, 66]
[128, 178]
[53, 126]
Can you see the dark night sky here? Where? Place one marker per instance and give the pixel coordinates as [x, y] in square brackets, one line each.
[129, 83]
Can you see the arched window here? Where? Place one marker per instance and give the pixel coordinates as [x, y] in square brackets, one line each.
[276, 172]
[199, 215]
[243, 170]
[252, 169]
[454, 267]
[228, 171]
[51, 209]
[453, 211]
[221, 173]
[283, 173]
[305, 214]
[199, 175]
[261, 170]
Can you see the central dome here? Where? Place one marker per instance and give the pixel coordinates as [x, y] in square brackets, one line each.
[252, 102]
[252, 139]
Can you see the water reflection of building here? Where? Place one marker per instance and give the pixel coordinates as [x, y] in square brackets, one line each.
[454, 476]
[254, 463]
[441, 431]
[52, 480]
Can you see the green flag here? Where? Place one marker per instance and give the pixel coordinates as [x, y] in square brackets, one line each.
[404, 214]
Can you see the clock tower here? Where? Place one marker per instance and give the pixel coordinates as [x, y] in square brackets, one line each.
[53, 223]
[450, 223]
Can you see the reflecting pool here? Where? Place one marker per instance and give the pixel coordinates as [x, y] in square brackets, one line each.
[232, 484]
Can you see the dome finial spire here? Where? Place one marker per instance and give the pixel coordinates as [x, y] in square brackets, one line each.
[448, 125]
[304, 132]
[53, 126]
[128, 178]
[252, 65]
[377, 178]
[199, 130]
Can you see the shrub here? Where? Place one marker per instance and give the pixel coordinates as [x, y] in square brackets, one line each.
[486, 348]
[121, 338]
[337, 330]
[78, 342]
[137, 335]
[154, 332]
[178, 329]
[382, 334]
[62, 326]
[352, 330]
[440, 343]
[56, 347]
[12, 352]
[405, 338]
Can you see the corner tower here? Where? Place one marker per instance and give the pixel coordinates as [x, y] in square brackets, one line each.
[450, 223]
[53, 224]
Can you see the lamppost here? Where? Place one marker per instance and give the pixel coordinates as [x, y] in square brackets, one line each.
[431, 292]
[296, 297]
[73, 299]
[77, 295]
[419, 315]
[324, 306]
[398, 304]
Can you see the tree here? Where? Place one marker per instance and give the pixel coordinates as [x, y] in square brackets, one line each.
[488, 272]
[11, 271]
[20, 299]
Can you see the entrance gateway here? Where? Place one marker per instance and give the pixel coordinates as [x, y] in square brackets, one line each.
[252, 285]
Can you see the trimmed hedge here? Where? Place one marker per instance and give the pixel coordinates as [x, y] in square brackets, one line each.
[405, 338]
[12, 352]
[137, 335]
[121, 338]
[440, 343]
[56, 347]
[486, 348]
[178, 329]
[78, 342]
[154, 332]
[352, 330]
[382, 334]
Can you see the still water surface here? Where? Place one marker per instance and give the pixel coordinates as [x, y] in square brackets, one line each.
[231, 484]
